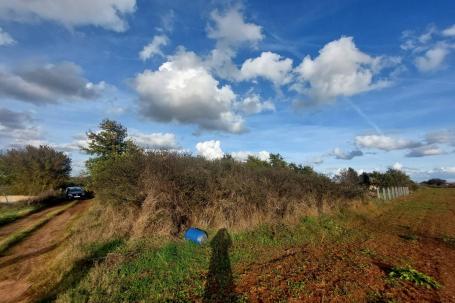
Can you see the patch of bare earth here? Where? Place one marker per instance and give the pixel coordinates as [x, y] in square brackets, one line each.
[17, 264]
[357, 270]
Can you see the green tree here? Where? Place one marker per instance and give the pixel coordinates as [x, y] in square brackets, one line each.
[276, 160]
[348, 177]
[32, 170]
[255, 162]
[109, 141]
[117, 164]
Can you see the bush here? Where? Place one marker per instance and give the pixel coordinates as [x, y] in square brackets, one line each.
[176, 190]
[32, 170]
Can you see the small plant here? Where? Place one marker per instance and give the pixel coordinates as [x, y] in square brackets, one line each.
[412, 275]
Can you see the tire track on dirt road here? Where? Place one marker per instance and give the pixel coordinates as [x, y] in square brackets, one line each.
[18, 263]
[27, 221]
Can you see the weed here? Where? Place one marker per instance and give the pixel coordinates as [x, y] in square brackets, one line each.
[412, 275]
[296, 288]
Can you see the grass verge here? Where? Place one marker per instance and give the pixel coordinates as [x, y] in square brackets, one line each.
[21, 234]
[9, 215]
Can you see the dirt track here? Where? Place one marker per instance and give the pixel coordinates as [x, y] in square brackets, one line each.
[17, 263]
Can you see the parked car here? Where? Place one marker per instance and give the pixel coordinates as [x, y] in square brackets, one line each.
[75, 192]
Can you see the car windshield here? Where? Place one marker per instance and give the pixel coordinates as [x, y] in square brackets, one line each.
[75, 190]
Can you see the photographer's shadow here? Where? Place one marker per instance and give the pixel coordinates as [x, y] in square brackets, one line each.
[220, 283]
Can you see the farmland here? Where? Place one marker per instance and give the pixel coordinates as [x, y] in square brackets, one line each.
[398, 251]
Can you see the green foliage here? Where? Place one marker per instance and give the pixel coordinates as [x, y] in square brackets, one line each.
[32, 170]
[412, 275]
[255, 162]
[117, 180]
[392, 177]
[276, 160]
[116, 166]
[109, 141]
[348, 177]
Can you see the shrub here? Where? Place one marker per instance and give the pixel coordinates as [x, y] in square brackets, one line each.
[32, 170]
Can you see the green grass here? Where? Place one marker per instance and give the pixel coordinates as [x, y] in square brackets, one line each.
[412, 275]
[11, 214]
[177, 271]
[23, 233]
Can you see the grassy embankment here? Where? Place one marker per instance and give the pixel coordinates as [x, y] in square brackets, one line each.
[280, 261]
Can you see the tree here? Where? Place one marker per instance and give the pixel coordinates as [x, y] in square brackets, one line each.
[32, 170]
[276, 160]
[109, 141]
[117, 164]
[348, 177]
[255, 162]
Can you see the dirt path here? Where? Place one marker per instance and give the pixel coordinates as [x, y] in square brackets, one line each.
[418, 232]
[26, 221]
[17, 264]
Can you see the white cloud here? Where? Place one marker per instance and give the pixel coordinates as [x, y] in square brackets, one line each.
[268, 65]
[397, 166]
[154, 47]
[343, 155]
[432, 59]
[48, 84]
[449, 32]
[448, 169]
[211, 150]
[231, 29]
[165, 141]
[423, 151]
[5, 38]
[384, 142]
[341, 69]
[243, 155]
[108, 14]
[183, 90]
[252, 105]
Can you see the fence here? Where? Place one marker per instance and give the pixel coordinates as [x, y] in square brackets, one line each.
[389, 193]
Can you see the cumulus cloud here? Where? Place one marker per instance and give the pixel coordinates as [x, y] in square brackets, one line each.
[5, 38]
[183, 90]
[108, 14]
[386, 143]
[432, 59]
[153, 141]
[268, 65]
[243, 155]
[211, 150]
[231, 31]
[426, 150]
[449, 32]
[154, 47]
[341, 69]
[252, 105]
[48, 84]
[230, 28]
[340, 154]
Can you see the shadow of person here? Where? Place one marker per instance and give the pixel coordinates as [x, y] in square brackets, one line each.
[220, 283]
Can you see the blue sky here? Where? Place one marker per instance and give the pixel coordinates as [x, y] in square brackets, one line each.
[331, 84]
